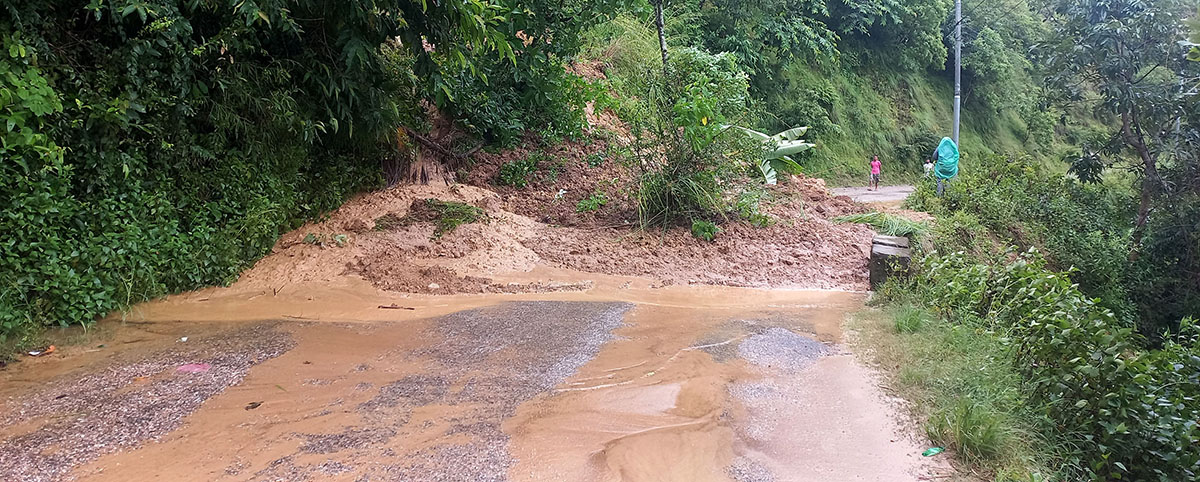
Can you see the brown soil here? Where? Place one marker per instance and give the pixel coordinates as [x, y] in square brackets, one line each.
[393, 248]
[556, 201]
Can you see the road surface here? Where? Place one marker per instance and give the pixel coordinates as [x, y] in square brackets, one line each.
[892, 195]
[626, 381]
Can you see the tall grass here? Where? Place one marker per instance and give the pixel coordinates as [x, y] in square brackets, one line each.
[964, 393]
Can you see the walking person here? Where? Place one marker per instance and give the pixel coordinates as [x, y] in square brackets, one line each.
[876, 170]
[928, 167]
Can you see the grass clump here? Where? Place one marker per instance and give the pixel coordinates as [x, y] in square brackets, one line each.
[910, 319]
[450, 215]
[886, 224]
[446, 216]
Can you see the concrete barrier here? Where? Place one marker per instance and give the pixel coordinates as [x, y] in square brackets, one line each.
[890, 256]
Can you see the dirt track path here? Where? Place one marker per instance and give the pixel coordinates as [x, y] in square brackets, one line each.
[885, 194]
[626, 381]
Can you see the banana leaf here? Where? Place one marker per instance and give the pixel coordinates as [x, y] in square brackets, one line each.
[793, 134]
[787, 148]
[785, 144]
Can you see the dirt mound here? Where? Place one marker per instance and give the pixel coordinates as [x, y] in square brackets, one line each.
[392, 238]
[566, 174]
[812, 253]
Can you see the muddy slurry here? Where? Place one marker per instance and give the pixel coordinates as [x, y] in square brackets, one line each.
[677, 383]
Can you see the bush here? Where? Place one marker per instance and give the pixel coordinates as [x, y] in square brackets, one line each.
[705, 230]
[683, 155]
[1127, 412]
[517, 173]
[592, 203]
[164, 166]
[1004, 201]
[749, 207]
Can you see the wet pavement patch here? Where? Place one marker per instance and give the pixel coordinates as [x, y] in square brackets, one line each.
[127, 403]
[486, 363]
[781, 349]
[350, 438]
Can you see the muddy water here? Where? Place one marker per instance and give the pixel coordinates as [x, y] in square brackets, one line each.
[627, 381]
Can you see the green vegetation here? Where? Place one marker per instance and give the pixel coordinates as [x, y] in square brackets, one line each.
[705, 230]
[1064, 305]
[1032, 284]
[1113, 409]
[522, 172]
[517, 173]
[749, 207]
[164, 146]
[779, 149]
[884, 223]
[449, 215]
[592, 203]
[960, 381]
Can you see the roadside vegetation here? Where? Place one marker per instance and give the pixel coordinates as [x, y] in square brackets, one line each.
[1049, 334]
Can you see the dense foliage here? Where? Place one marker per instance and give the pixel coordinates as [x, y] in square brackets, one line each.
[152, 147]
[1115, 411]
[1002, 202]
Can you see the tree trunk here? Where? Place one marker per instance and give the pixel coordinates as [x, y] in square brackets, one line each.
[662, 36]
[1150, 178]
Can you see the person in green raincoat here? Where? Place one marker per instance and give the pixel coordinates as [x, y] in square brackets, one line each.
[947, 163]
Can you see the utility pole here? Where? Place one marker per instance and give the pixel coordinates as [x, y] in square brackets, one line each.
[662, 36]
[957, 65]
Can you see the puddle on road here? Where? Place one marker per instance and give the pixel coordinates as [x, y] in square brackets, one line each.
[624, 382]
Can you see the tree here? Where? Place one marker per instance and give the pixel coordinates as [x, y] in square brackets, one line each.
[1129, 58]
[1127, 52]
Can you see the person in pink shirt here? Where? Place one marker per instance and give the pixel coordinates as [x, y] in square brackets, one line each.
[876, 169]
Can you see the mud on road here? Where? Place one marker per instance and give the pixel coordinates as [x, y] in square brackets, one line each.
[623, 382]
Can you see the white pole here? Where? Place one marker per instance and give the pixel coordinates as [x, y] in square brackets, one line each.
[957, 64]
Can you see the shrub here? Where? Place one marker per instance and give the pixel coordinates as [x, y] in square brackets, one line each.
[1005, 201]
[517, 173]
[749, 207]
[705, 230]
[591, 203]
[1129, 413]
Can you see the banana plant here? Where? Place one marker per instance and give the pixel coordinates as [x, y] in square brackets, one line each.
[781, 147]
